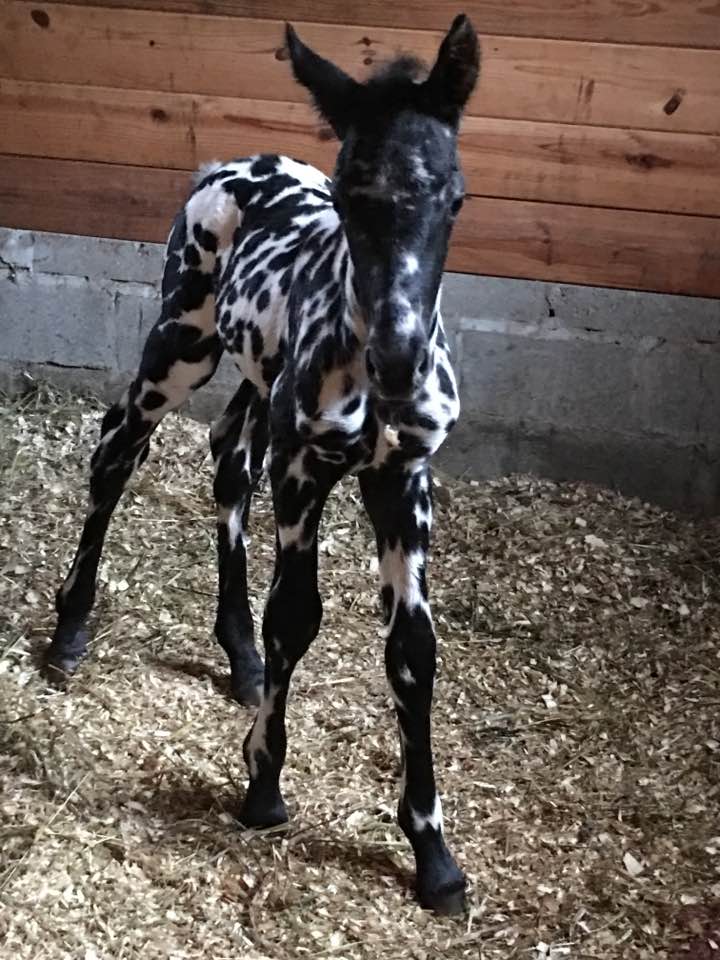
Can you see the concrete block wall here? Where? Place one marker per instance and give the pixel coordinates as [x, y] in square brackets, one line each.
[612, 386]
[568, 382]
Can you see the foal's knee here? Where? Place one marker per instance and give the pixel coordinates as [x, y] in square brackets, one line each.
[292, 621]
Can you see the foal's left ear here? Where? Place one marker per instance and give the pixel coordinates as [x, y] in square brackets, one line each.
[334, 92]
[456, 69]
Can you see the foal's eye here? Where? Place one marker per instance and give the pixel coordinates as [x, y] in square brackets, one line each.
[456, 205]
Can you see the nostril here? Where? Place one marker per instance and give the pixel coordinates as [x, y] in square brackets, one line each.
[423, 366]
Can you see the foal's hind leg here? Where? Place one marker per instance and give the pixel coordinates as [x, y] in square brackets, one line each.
[181, 353]
[238, 441]
[398, 503]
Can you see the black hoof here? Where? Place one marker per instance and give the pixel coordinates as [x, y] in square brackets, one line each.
[247, 690]
[441, 883]
[67, 648]
[447, 901]
[59, 665]
[247, 672]
[261, 816]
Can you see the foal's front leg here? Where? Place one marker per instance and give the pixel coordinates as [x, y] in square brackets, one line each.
[301, 485]
[398, 501]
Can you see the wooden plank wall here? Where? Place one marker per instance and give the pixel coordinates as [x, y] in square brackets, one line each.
[591, 147]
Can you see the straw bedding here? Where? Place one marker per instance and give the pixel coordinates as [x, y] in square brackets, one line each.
[576, 726]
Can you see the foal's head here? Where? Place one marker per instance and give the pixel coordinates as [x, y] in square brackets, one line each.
[398, 188]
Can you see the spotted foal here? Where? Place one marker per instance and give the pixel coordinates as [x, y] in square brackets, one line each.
[325, 292]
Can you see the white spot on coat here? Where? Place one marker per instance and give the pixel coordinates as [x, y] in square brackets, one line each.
[402, 571]
[257, 744]
[411, 264]
[405, 675]
[423, 820]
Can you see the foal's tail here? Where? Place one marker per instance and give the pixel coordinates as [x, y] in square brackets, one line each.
[205, 170]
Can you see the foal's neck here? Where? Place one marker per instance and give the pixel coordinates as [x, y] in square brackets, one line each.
[352, 318]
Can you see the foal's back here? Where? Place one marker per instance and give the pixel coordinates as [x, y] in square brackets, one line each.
[244, 236]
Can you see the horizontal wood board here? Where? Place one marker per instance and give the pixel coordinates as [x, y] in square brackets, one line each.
[527, 160]
[671, 22]
[646, 251]
[621, 85]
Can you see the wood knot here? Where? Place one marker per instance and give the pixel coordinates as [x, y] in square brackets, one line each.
[40, 18]
[282, 53]
[159, 115]
[647, 161]
[674, 102]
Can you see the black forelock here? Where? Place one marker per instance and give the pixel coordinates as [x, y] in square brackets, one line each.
[396, 74]
[399, 84]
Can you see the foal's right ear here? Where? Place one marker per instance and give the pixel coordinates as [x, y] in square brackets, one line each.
[334, 92]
